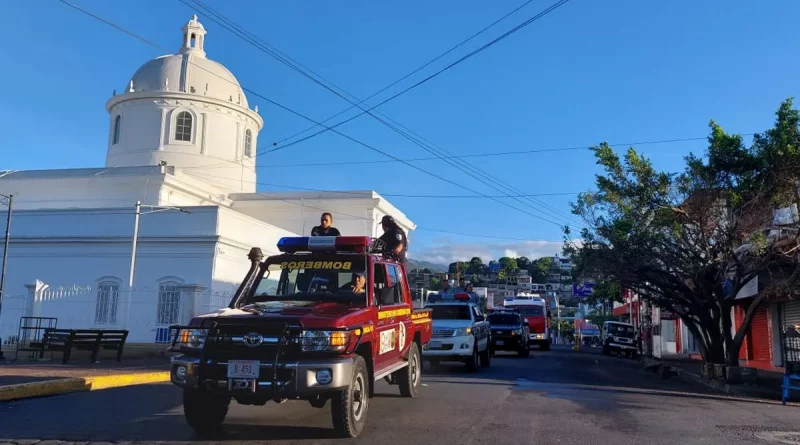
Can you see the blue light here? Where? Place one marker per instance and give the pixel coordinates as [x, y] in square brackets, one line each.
[293, 244]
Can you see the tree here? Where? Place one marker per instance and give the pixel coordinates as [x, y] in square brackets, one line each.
[475, 265]
[523, 263]
[690, 242]
[509, 265]
[539, 269]
[458, 267]
[604, 294]
[436, 283]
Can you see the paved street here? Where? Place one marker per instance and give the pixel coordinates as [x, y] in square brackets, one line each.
[554, 397]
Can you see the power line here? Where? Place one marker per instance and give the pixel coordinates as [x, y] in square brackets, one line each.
[66, 213]
[473, 173]
[485, 155]
[550, 9]
[255, 93]
[460, 44]
[396, 195]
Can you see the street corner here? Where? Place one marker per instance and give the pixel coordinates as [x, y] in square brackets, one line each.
[42, 388]
[58, 386]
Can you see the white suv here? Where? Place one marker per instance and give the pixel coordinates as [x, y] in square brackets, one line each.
[460, 332]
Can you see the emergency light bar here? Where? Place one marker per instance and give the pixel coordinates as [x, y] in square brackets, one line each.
[294, 244]
[436, 298]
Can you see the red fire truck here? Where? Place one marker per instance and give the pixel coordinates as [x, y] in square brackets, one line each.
[534, 310]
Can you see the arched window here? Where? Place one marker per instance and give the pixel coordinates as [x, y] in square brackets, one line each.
[169, 303]
[248, 143]
[105, 311]
[117, 122]
[183, 127]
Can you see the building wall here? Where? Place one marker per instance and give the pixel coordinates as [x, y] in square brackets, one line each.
[147, 136]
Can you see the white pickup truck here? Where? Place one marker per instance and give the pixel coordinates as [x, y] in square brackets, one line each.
[460, 332]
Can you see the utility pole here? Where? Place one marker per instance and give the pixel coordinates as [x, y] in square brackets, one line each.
[10, 203]
[137, 214]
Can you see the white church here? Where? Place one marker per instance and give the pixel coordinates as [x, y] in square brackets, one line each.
[182, 140]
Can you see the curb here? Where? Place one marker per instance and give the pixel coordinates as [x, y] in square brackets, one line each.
[79, 384]
[748, 393]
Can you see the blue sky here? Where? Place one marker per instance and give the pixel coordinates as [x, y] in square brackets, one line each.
[619, 71]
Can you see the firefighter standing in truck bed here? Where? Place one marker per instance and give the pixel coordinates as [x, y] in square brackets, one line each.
[395, 240]
[325, 227]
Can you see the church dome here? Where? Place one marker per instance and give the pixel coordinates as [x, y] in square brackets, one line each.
[187, 111]
[189, 71]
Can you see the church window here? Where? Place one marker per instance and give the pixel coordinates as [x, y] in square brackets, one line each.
[117, 122]
[183, 127]
[107, 298]
[169, 303]
[248, 143]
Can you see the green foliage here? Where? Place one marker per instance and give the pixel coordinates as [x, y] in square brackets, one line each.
[523, 263]
[509, 265]
[539, 269]
[677, 237]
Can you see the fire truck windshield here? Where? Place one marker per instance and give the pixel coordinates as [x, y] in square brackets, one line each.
[530, 311]
[312, 277]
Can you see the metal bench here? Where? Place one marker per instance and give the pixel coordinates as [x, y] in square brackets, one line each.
[65, 340]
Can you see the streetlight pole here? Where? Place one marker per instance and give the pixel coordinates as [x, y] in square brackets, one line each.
[137, 214]
[10, 203]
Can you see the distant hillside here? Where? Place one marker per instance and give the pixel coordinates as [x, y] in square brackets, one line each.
[419, 264]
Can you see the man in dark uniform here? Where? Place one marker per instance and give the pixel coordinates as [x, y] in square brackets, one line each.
[325, 228]
[395, 240]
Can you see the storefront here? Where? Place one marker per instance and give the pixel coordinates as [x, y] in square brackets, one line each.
[756, 351]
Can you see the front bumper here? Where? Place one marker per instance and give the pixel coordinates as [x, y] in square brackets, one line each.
[623, 347]
[455, 348]
[296, 379]
[506, 342]
[539, 337]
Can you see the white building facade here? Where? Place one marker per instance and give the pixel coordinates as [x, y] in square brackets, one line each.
[181, 136]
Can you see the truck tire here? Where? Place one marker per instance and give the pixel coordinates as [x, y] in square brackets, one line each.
[204, 411]
[473, 362]
[408, 378]
[349, 406]
[486, 357]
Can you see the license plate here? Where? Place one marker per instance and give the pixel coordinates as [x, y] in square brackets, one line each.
[436, 345]
[243, 369]
[499, 342]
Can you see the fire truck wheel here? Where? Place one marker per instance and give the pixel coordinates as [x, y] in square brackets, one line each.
[408, 378]
[349, 407]
[473, 362]
[205, 412]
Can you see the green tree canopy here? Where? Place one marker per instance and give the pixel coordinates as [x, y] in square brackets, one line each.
[509, 265]
[523, 263]
[690, 242]
[539, 269]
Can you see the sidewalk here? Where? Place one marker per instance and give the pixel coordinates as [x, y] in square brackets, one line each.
[767, 386]
[24, 379]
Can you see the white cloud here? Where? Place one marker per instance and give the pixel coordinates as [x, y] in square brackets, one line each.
[446, 253]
